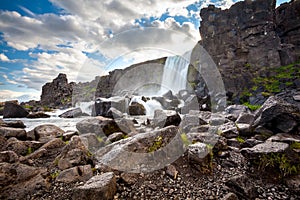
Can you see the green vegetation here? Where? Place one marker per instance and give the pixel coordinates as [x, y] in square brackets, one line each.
[295, 145]
[47, 109]
[279, 163]
[157, 144]
[240, 140]
[252, 107]
[54, 174]
[29, 151]
[184, 139]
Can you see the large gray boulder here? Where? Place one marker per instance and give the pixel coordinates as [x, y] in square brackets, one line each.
[14, 110]
[164, 118]
[278, 116]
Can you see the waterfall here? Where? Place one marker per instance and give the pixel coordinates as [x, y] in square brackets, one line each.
[150, 105]
[175, 73]
[86, 107]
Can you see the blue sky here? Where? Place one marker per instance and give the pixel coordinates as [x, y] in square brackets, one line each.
[41, 38]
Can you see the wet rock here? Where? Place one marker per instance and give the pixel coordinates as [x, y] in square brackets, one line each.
[74, 174]
[136, 109]
[242, 186]
[37, 115]
[74, 154]
[45, 133]
[99, 187]
[19, 180]
[9, 157]
[99, 125]
[73, 113]
[9, 132]
[164, 118]
[277, 116]
[13, 124]
[14, 110]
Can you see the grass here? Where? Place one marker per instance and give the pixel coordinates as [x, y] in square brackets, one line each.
[54, 175]
[240, 140]
[295, 145]
[29, 151]
[252, 107]
[157, 144]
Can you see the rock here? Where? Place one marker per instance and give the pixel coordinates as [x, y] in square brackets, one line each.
[237, 110]
[74, 174]
[8, 157]
[45, 133]
[74, 154]
[73, 113]
[243, 44]
[37, 115]
[14, 110]
[13, 124]
[136, 109]
[3, 141]
[199, 156]
[126, 125]
[19, 180]
[234, 143]
[250, 143]
[93, 143]
[242, 186]
[55, 143]
[13, 132]
[129, 178]
[172, 171]
[191, 103]
[99, 125]
[230, 196]
[69, 134]
[244, 130]
[245, 118]
[57, 93]
[277, 116]
[103, 106]
[265, 149]
[22, 147]
[101, 187]
[164, 118]
[229, 130]
[115, 137]
[114, 113]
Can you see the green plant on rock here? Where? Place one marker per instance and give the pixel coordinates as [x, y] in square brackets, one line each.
[279, 163]
[30, 150]
[157, 144]
[240, 140]
[252, 107]
[47, 109]
[185, 139]
[54, 175]
[295, 145]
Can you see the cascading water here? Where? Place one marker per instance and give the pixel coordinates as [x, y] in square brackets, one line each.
[150, 105]
[86, 107]
[175, 73]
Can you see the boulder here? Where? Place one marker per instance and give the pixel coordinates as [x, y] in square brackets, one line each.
[115, 137]
[164, 118]
[114, 113]
[99, 125]
[199, 157]
[9, 132]
[245, 118]
[264, 149]
[19, 180]
[76, 112]
[101, 187]
[229, 130]
[46, 132]
[126, 125]
[293, 183]
[74, 174]
[74, 154]
[14, 110]
[136, 108]
[277, 115]
[13, 124]
[8, 157]
[91, 141]
[103, 105]
[38, 115]
[191, 103]
[242, 186]
[22, 147]
[236, 110]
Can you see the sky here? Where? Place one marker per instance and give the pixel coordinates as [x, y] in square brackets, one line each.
[86, 38]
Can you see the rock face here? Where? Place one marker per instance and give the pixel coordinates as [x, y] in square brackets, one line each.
[249, 38]
[14, 110]
[58, 92]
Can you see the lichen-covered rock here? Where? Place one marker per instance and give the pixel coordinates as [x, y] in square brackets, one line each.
[99, 187]
[46, 132]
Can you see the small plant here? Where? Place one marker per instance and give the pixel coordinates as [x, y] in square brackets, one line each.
[47, 109]
[29, 151]
[54, 175]
[158, 142]
[252, 107]
[240, 140]
[185, 139]
[295, 145]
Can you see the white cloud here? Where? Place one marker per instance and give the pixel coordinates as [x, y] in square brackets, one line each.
[6, 95]
[4, 58]
[8, 80]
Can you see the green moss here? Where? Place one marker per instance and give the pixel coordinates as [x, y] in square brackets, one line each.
[47, 109]
[54, 175]
[252, 107]
[158, 142]
[184, 139]
[29, 151]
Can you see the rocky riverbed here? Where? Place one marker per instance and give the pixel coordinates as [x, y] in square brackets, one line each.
[251, 155]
